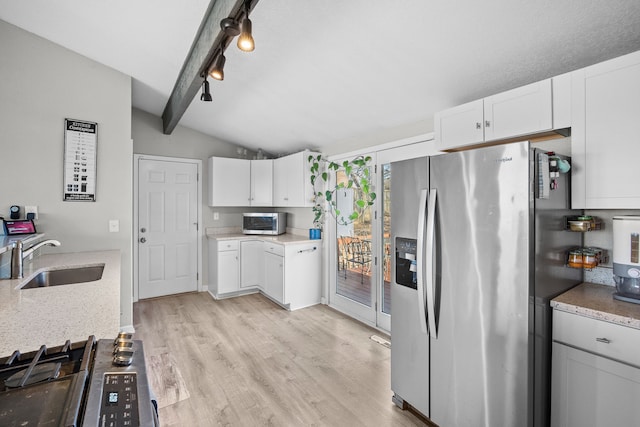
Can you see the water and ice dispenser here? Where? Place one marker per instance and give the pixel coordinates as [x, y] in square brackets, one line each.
[626, 258]
[406, 262]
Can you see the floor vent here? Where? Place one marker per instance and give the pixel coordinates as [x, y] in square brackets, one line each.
[381, 341]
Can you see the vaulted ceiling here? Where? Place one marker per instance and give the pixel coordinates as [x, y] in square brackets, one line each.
[329, 71]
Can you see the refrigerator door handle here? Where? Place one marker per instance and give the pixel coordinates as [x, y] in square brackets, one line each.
[420, 261]
[431, 261]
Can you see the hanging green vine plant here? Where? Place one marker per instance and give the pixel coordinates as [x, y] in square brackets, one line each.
[356, 175]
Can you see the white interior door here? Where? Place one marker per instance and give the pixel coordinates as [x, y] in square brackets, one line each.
[167, 227]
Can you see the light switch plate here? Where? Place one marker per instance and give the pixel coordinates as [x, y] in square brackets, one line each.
[114, 226]
[216, 216]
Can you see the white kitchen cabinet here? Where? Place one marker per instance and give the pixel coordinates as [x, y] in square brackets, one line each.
[605, 144]
[595, 373]
[302, 274]
[274, 271]
[291, 180]
[293, 274]
[224, 266]
[251, 264]
[229, 182]
[460, 126]
[523, 111]
[261, 183]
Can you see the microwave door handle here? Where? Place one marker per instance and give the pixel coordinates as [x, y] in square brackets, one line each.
[431, 262]
[420, 262]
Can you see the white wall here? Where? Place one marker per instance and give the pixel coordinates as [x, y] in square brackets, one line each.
[41, 84]
[378, 137]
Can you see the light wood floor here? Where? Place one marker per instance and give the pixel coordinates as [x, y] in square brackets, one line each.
[247, 362]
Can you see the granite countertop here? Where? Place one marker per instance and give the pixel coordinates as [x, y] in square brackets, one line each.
[52, 315]
[596, 301]
[283, 239]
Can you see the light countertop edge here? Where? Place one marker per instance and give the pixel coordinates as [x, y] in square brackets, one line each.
[596, 301]
[50, 316]
[283, 239]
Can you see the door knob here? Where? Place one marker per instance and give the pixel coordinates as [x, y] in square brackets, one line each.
[142, 230]
[142, 240]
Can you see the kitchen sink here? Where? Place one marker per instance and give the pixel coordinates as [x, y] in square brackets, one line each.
[65, 276]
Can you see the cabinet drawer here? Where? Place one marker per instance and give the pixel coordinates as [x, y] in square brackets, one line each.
[604, 338]
[227, 245]
[274, 248]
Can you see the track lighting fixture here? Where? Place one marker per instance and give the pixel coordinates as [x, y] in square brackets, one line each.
[230, 27]
[217, 72]
[206, 95]
[245, 41]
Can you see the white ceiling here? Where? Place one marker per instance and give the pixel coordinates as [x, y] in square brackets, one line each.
[327, 71]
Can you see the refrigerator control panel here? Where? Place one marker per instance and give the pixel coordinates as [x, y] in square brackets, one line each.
[406, 262]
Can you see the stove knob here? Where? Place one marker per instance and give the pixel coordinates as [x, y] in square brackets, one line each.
[123, 345]
[121, 336]
[123, 358]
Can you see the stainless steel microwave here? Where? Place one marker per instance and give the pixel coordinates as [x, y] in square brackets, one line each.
[264, 223]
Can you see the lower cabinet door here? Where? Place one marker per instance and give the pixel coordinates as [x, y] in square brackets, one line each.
[251, 264]
[591, 390]
[274, 276]
[228, 271]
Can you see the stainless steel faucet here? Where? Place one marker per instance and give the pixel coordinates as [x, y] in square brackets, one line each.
[18, 255]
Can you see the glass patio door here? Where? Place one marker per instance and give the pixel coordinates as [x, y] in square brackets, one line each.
[355, 286]
[360, 284]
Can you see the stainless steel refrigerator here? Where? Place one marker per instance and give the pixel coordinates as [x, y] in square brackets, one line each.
[480, 247]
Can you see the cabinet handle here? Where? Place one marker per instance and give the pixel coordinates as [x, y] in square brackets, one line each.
[487, 123]
[478, 125]
[603, 340]
[307, 250]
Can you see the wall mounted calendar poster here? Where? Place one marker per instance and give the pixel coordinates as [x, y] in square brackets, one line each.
[80, 160]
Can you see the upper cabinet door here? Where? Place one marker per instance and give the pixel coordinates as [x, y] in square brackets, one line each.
[291, 180]
[460, 126]
[229, 181]
[605, 140]
[261, 182]
[521, 111]
[280, 181]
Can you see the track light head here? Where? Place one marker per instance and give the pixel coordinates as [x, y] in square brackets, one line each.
[230, 27]
[217, 72]
[245, 41]
[206, 95]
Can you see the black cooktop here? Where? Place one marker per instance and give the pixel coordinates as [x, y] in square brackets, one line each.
[46, 386]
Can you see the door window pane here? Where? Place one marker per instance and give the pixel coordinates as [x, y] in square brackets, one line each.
[386, 238]
[355, 267]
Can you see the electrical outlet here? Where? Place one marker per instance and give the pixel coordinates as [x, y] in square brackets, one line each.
[114, 226]
[31, 209]
[216, 216]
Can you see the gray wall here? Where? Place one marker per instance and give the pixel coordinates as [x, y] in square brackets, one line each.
[148, 139]
[146, 131]
[41, 84]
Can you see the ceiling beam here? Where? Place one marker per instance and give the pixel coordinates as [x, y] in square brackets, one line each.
[207, 42]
